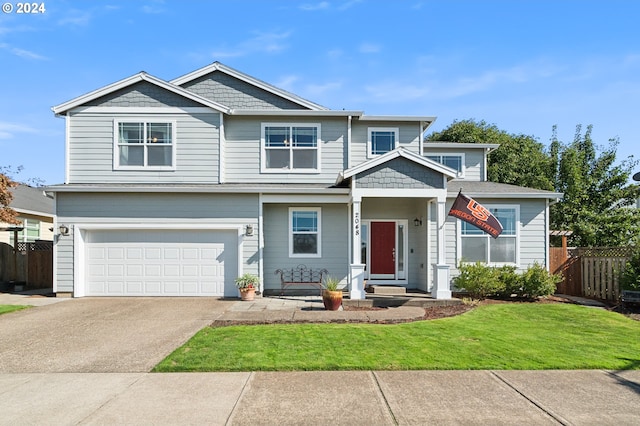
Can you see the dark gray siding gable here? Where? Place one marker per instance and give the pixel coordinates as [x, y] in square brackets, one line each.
[143, 94]
[235, 93]
[399, 173]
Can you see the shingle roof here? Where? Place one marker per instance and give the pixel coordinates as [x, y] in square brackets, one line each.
[27, 199]
[497, 190]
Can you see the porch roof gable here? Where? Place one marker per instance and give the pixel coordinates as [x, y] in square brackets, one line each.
[392, 155]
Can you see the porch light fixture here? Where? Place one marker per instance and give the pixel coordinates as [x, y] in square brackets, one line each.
[64, 230]
[417, 221]
[248, 230]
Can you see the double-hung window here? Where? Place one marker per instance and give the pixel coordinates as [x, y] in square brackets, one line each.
[454, 161]
[478, 246]
[144, 145]
[381, 140]
[291, 147]
[305, 232]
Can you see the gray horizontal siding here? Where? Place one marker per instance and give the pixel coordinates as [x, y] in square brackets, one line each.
[409, 138]
[473, 159]
[242, 151]
[136, 205]
[234, 93]
[91, 149]
[533, 236]
[165, 209]
[335, 246]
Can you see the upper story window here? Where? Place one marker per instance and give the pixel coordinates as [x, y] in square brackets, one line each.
[381, 140]
[454, 161]
[290, 148]
[144, 145]
[478, 246]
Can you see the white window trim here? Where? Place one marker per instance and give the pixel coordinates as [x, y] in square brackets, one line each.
[517, 236]
[370, 130]
[263, 148]
[145, 120]
[318, 210]
[461, 174]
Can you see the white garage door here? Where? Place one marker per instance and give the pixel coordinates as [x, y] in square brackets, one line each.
[161, 263]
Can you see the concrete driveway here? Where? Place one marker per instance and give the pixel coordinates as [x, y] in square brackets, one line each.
[123, 335]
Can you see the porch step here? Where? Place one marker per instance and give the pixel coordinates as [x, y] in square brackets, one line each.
[388, 289]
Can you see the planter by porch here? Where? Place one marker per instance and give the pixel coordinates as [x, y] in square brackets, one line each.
[332, 299]
[247, 294]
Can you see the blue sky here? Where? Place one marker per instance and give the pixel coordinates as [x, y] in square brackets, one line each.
[522, 65]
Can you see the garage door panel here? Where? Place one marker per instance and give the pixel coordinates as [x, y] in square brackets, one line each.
[157, 263]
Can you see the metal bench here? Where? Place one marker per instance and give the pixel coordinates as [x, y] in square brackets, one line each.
[301, 276]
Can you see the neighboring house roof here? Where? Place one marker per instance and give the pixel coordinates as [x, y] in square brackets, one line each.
[62, 109]
[29, 200]
[497, 190]
[396, 153]
[217, 66]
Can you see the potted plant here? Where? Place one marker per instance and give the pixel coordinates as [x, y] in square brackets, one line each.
[630, 279]
[331, 296]
[247, 284]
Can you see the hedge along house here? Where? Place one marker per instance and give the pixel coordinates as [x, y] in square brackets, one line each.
[174, 188]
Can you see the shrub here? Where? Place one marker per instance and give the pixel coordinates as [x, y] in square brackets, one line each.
[630, 279]
[537, 281]
[511, 280]
[479, 280]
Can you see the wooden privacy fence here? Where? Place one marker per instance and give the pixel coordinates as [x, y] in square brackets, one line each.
[591, 272]
[31, 264]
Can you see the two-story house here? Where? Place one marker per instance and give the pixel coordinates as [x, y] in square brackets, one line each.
[174, 188]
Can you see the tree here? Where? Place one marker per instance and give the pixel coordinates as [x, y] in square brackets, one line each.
[520, 160]
[7, 214]
[597, 194]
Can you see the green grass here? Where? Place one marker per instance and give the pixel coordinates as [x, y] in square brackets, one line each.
[503, 336]
[5, 309]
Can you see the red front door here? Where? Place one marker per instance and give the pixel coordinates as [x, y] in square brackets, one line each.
[383, 250]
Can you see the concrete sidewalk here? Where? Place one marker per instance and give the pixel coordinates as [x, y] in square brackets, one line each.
[590, 397]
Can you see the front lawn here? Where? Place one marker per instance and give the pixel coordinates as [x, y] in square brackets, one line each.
[518, 336]
[5, 309]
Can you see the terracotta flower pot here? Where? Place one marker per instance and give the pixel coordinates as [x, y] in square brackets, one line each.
[247, 294]
[332, 299]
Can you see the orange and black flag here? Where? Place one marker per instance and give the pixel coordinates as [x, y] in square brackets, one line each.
[469, 210]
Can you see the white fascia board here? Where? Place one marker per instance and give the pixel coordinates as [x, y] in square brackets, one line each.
[512, 195]
[217, 66]
[142, 76]
[295, 112]
[195, 189]
[396, 118]
[489, 146]
[34, 213]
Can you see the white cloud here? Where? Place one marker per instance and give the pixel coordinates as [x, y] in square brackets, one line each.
[265, 42]
[8, 130]
[369, 48]
[287, 82]
[321, 89]
[348, 4]
[76, 18]
[316, 6]
[22, 53]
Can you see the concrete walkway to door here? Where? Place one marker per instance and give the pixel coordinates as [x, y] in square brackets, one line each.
[101, 334]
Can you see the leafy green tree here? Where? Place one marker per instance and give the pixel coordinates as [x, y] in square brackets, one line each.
[520, 160]
[597, 193]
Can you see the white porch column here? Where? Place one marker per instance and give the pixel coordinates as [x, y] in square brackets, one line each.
[356, 269]
[441, 288]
